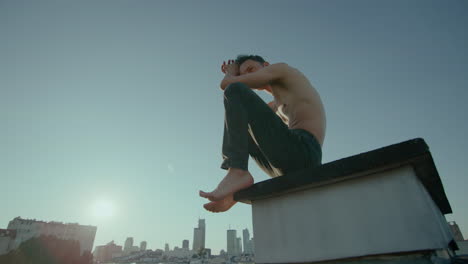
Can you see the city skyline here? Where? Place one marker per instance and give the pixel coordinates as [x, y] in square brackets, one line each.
[17, 224]
[112, 115]
[246, 239]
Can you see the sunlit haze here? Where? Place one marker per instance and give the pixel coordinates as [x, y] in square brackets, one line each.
[103, 209]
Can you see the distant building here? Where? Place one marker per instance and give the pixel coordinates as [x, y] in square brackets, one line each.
[128, 245]
[166, 247]
[199, 235]
[107, 252]
[143, 245]
[26, 229]
[185, 244]
[180, 253]
[7, 237]
[457, 234]
[231, 242]
[238, 246]
[252, 245]
[134, 249]
[247, 242]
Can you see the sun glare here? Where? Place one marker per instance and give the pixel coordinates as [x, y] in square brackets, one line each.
[103, 209]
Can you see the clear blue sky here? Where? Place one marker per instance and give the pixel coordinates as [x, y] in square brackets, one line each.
[118, 102]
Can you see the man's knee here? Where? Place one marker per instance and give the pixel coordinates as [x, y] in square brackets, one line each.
[236, 87]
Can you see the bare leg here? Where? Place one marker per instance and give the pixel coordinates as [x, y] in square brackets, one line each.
[235, 180]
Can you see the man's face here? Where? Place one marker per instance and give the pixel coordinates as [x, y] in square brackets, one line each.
[249, 66]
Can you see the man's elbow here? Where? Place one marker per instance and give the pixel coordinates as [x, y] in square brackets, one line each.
[223, 84]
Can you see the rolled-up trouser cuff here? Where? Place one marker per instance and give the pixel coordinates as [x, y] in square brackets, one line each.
[227, 163]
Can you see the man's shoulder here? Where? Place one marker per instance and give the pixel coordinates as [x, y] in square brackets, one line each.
[285, 72]
[280, 66]
[279, 70]
[284, 68]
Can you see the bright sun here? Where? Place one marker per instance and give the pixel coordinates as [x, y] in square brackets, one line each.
[103, 209]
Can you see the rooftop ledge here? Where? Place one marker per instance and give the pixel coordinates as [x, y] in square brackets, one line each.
[414, 153]
[375, 204]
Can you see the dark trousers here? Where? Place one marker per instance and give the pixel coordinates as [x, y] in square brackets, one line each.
[252, 128]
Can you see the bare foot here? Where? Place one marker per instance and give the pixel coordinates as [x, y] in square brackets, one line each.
[220, 206]
[235, 180]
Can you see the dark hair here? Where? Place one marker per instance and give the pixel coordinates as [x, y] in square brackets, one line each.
[242, 58]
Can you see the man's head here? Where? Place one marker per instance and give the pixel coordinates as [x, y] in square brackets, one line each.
[250, 63]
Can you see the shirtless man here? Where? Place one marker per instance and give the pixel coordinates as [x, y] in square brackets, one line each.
[284, 135]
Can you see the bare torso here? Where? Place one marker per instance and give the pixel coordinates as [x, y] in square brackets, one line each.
[299, 104]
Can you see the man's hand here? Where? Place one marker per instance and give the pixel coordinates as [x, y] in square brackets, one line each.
[231, 68]
[258, 79]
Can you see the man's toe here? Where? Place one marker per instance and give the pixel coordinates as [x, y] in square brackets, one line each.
[209, 206]
[205, 194]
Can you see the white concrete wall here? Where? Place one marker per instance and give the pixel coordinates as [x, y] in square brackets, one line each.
[386, 212]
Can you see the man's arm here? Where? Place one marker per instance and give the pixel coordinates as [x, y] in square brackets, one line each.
[260, 78]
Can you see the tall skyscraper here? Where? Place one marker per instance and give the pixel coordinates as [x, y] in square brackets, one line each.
[185, 244]
[246, 241]
[201, 225]
[199, 235]
[238, 246]
[128, 243]
[252, 246]
[128, 246]
[143, 245]
[231, 242]
[196, 238]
